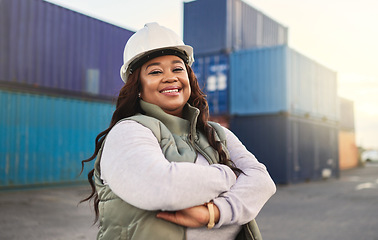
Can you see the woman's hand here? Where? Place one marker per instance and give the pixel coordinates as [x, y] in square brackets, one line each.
[197, 216]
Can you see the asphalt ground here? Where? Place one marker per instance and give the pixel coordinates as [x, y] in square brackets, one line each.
[333, 209]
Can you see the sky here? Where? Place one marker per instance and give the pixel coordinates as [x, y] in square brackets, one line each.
[340, 34]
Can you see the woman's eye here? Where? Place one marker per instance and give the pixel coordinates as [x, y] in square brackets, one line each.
[154, 72]
[179, 69]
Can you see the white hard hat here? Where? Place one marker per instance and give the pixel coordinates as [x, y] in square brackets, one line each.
[152, 41]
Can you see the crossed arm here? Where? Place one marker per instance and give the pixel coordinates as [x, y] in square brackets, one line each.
[148, 181]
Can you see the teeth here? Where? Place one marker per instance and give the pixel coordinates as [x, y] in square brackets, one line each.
[170, 91]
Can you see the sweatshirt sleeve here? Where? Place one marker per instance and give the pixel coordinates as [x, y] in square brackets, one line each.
[134, 167]
[251, 191]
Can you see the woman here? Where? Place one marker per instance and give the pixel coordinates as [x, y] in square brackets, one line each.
[162, 170]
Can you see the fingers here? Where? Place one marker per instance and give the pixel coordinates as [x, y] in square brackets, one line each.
[171, 217]
[186, 217]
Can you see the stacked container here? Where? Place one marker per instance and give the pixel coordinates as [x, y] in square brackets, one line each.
[215, 29]
[212, 72]
[59, 71]
[47, 46]
[347, 139]
[293, 149]
[285, 110]
[224, 26]
[45, 137]
[281, 80]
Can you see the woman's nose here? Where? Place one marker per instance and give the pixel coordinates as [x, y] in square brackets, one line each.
[170, 77]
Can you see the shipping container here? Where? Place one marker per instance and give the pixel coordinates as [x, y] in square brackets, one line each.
[348, 151]
[44, 138]
[279, 79]
[224, 26]
[212, 72]
[45, 45]
[346, 114]
[293, 149]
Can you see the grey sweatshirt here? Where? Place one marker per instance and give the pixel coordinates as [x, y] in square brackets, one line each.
[135, 168]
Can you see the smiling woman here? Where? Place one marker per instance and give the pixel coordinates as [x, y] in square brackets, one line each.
[162, 170]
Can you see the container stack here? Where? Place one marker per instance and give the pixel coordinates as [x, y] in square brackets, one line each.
[215, 29]
[284, 108]
[282, 105]
[347, 137]
[59, 72]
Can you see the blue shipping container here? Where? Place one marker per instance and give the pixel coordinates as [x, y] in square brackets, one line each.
[223, 26]
[43, 138]
[212, 72]
[279, 79]
[45, 45]
[293, 149]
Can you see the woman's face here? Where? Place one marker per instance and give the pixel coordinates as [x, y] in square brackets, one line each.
[165, 83]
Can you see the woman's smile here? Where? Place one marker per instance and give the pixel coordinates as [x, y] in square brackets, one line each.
[171, 91]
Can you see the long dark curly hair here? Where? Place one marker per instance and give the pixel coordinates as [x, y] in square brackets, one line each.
[128, 105]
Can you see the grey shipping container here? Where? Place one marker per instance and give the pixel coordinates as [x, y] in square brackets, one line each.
[223, 26]
[293, 149]
[45, 45]
[212, 72]
[346, 114]
[44, 138]
[280, 79]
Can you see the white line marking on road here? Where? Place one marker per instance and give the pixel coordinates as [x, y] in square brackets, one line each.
[365, 186]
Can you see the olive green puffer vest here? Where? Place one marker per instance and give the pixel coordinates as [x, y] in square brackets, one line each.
[180, 142]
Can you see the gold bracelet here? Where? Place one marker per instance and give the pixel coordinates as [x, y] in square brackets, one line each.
[210, 206]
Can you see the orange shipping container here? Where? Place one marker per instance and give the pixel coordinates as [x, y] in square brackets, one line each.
[348, 152]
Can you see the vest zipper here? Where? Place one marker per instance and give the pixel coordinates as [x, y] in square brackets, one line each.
[194, 146]
[189, 142]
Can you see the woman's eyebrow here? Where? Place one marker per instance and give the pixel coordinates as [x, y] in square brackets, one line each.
[177, 61]
[152, 64]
